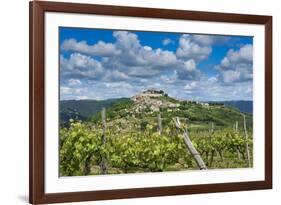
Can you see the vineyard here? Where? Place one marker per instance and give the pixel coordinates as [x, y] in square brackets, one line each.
[117, 141]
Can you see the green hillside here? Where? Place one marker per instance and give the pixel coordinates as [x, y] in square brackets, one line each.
[196, 114]
[145, 134]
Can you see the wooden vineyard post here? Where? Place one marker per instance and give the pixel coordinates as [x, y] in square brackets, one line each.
[213, 151]
[247, 145]
[236, 130]
[159, 123]
[103, 165]
[212, 127]
[198, 159]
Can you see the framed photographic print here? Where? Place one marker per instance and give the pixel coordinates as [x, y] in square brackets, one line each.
[139, 102]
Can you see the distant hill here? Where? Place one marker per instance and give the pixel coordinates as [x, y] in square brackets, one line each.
[243, 106]
[83, 109]
[67, 113]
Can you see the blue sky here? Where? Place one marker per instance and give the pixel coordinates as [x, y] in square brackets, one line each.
[103, 64]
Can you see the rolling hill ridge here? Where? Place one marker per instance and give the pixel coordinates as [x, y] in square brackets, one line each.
[151, 102]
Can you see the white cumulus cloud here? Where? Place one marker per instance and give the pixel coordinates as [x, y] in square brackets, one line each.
[80, 66]
[237, 65]
[99, 49]
[189, 49]
[167, 41]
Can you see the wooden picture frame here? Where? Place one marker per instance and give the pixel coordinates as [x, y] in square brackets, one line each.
[37, 10]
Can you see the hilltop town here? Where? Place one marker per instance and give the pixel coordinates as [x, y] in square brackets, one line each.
[153, 100]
